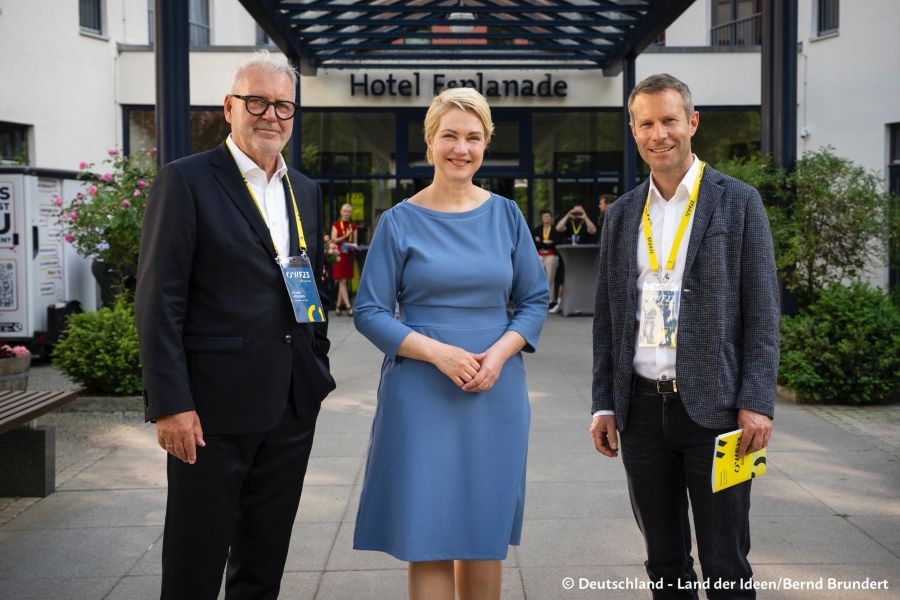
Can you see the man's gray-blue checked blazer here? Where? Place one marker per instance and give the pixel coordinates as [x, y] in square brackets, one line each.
[728, 331]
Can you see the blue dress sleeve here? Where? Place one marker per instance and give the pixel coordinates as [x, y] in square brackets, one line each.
[378, 288]
[530, 294]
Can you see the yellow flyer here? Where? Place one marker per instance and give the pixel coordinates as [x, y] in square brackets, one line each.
[728, 469]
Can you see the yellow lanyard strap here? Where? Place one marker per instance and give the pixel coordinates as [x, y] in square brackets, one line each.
[301, 239]
[682, 226]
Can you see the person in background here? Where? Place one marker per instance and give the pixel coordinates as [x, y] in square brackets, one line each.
[545, 237]
[602, 205]
[343, 232]
[444, 485]
[575, 227]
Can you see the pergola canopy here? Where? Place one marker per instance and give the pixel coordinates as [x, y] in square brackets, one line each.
[447, 34]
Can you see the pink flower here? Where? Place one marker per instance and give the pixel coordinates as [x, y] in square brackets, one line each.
[141, 184]
[92, 191]
[126, 204]
[69, 237]
[82, 166]
[73, 215]
[107, 177]
[79, 196]
[113, 151]
[136, 193]
[57, 201]
[152, 151]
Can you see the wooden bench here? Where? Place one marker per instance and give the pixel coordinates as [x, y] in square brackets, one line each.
[28, 454]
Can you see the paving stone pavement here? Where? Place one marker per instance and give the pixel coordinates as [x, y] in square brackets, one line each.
[829, 507]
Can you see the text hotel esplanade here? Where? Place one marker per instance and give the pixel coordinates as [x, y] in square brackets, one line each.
[541, 87]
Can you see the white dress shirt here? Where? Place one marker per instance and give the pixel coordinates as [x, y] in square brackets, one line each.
[665, 216]
[269, 194]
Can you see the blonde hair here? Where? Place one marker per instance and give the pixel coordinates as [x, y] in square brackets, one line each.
[467, 99]
[347, 205]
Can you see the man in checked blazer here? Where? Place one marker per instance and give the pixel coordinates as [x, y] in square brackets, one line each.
[669, 403]
[232, 380]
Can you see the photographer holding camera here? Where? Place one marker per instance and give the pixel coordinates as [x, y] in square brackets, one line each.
[575, 228]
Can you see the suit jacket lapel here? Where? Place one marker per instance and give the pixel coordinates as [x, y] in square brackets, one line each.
[307, 218]
[632, 225]
[710, 195]
[228, 175]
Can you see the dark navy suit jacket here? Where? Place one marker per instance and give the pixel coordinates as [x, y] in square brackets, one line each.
[728, 331]
[216, 326]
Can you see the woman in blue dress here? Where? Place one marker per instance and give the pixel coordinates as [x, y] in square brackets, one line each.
[444, 486]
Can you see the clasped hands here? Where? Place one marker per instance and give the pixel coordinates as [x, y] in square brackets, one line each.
[471, 372]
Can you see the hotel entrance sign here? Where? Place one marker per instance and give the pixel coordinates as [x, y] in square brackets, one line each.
[412, 86]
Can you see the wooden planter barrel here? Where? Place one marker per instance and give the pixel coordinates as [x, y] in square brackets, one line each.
[14, 373]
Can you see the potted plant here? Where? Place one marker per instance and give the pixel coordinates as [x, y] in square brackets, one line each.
[14, 364]
[103, 222]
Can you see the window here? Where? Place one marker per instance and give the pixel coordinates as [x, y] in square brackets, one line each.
[827, 17]
[736, 23]
[90, 16]
[208, 129]
[725, 134]
[198, 22]
[358, 143]
[13, 143]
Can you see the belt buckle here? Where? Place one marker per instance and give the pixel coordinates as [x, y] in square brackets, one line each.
[666, 386]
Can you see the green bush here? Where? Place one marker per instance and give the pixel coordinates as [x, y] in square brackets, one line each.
[844, 347]
[830, 218]
[100, 350]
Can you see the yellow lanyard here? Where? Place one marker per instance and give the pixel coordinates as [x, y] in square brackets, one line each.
[301, 239]
[546, 233]
[576, 229]
[682, 226]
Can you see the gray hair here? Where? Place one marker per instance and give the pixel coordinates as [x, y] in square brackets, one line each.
[660, 83]
[265, 60]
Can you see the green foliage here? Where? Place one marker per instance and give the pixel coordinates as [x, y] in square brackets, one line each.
[844, 347]
[829, 218]
[100, 350]
[104, 222]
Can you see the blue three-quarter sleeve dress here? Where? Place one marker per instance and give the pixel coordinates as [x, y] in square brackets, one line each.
[445, 477]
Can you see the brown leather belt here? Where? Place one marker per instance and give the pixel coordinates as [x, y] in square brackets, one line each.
[656, 386]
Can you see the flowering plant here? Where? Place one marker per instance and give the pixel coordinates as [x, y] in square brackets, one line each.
[7, 351]
[103, 221]
[332, 253]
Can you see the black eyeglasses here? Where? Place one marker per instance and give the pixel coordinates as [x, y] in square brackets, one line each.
[257, 106]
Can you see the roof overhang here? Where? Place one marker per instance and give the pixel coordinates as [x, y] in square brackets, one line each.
[462, 34]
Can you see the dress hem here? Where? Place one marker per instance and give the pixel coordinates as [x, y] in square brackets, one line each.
[449, 555]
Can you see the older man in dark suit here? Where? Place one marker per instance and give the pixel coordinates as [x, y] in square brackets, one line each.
[685, 345]
[233, 373]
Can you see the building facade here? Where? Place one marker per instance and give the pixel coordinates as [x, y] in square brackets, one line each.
[87, 83]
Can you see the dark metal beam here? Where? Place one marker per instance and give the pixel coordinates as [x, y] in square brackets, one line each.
[267, 14]
[779, 82]
[460, 66]
[492, 55]
[449, 35]
[658, 17]
[591, 8]
[456, 47]
[173, 105]
[584, 21]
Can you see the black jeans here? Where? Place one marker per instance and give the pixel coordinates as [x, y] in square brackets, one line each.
[667, 456]
[236, 504]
